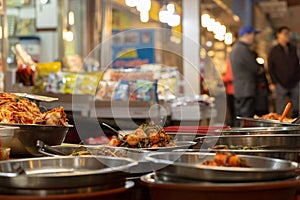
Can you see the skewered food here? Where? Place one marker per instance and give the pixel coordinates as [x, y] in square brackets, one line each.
[18, 110]
[226, 160]
[146, 136]
[274, 116]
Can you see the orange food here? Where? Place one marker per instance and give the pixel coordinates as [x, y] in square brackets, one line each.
[226, 160]
[146, 136]
[274, 116]
[18, 110]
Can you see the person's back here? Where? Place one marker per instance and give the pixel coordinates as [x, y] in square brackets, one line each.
[244, 69]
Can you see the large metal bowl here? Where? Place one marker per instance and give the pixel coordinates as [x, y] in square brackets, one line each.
[188, 166]
[24, 140]
[259, 130]
[64, 172]
[252, 122]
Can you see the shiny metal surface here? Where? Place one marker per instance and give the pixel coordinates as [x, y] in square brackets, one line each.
[251, 122]
[188, 165]
[178, 145]
[291, 141]
[135, 154]
[285, 154]
[64, 172]
[259, 130]
[161, 179]
[24, 140]
[80, 190]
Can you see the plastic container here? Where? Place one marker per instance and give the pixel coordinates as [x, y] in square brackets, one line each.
[6, 135]
[4, 153]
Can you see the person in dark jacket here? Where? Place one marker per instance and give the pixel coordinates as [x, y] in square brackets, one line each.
[285, 71]
[244, 68]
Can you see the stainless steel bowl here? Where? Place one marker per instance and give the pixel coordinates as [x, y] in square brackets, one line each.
[64, 172]
[24, 140]
[188, 166]
[252, 122]
[259, 130]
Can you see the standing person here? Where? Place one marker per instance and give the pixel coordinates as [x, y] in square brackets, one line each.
[244, 68]
[228, 82]
[284, 71]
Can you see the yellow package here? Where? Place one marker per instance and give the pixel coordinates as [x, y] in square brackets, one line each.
[44, 69]
[87, 83]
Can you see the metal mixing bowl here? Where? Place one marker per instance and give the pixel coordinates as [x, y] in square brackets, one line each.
[24, 140]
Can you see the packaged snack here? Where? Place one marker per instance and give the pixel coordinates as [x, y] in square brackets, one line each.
[69, 83]
[102, 88]
[121, 91]
[132, 90]
[87, 83]
[144, 90]
[55, 83]
[41, 78]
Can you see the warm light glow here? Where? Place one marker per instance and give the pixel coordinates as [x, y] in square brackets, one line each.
[168, 14]
[223, 30]
[220, 37]
[228, 38]
[131, 3]
[163, 15]
[171, 8]
[211, 24]
[68, 36]
[44, 1]
[217, 28]
[211, 53]
[144, 17]
[143, 5]
[1, 32]
[205, 19]
[209, 43]
[236, 18]
[260, 60]
[173, 20]
[71, 18]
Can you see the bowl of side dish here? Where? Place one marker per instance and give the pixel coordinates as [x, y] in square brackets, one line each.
[32, 124]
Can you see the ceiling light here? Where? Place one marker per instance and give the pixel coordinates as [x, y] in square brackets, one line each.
[228, 38]
[131, 3]
[68, 36]
[211, 24]
[71, 18]
[163, 14]
[143, 5]
[209, 43]
[174, 20]
[44, 1]
[144, 17]
[171, 8]
[205, 19]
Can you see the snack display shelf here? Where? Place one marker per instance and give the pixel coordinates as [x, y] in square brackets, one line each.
[128, 109]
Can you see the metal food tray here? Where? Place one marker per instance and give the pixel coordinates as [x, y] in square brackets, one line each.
[252, 122]
[137, 154]
[25, 136]
[99, 150]
[285, 154]
[259, 130]
[188, 165]
[275, 141]
[64, 172]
